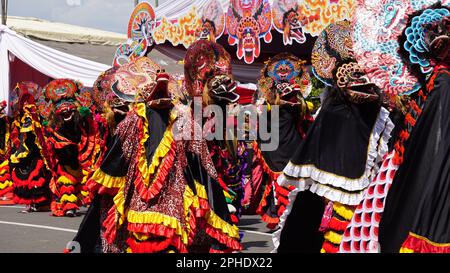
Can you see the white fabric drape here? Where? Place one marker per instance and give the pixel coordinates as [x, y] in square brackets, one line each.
[51, 62]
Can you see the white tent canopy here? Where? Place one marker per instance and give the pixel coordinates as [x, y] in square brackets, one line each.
[175, 9]
[48, 61]
[60, 32]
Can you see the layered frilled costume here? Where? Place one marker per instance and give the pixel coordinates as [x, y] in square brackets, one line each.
[208, 77]
[168, 198]
[30, 172]
[74, 143]
[284, 83]
[333, 165]
[406, 206]
[91, 233]
[5, 149]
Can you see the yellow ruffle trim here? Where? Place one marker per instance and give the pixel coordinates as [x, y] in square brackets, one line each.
[215, 221]
[6, 144]
[150, 217]
[68, 198]
[406, 250]
[108, 181]
[5, 185]
[4, 164]
[119, 201]
[15, 158]
[333, 237]
[137, 217]
[160, 152]
[343, 211]
[428, 241]
[34, 126]
[141, 237]
[84, 193]
[65, 180]
[189, 200]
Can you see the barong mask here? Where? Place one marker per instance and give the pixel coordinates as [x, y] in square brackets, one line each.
[437, 36]
[351, 79]
[207, 69]
[157, 93]
[63, 95]
[117, 105]
[426, 38]
[334, 64]
[396, 65]
[285, 80]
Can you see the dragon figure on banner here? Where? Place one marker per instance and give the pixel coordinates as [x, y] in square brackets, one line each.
[213, 21]
[140, 40]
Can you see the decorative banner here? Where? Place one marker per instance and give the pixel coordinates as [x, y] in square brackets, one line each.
[377, 26]
[213, 21]
[288, 20]
[182, 31]
[318, 14]
[140, 28]
[247, 22]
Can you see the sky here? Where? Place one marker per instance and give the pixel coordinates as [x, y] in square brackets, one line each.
[111, 15]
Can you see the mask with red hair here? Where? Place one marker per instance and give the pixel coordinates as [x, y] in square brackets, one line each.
[208, 65]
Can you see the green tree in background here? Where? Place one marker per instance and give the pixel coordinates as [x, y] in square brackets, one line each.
[314, 96]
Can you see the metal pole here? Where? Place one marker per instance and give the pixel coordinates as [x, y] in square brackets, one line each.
[136, 2]
[4, 12]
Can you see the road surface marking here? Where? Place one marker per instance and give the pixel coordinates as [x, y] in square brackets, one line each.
[39, 226]
[256, 232]
[14, 207]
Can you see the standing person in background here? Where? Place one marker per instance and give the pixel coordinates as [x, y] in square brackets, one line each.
[5, 150]
[30, 171]
[284, 83]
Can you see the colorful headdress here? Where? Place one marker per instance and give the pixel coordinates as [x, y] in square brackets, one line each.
[63, 94]
[333, 46]
[140, 29]
[378, 25]
[102, 87]
[213, 21]
[85, 97]
[285, 70]
[247, 22]
[204, 60]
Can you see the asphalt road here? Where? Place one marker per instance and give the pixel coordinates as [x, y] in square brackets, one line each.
[40, 232]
